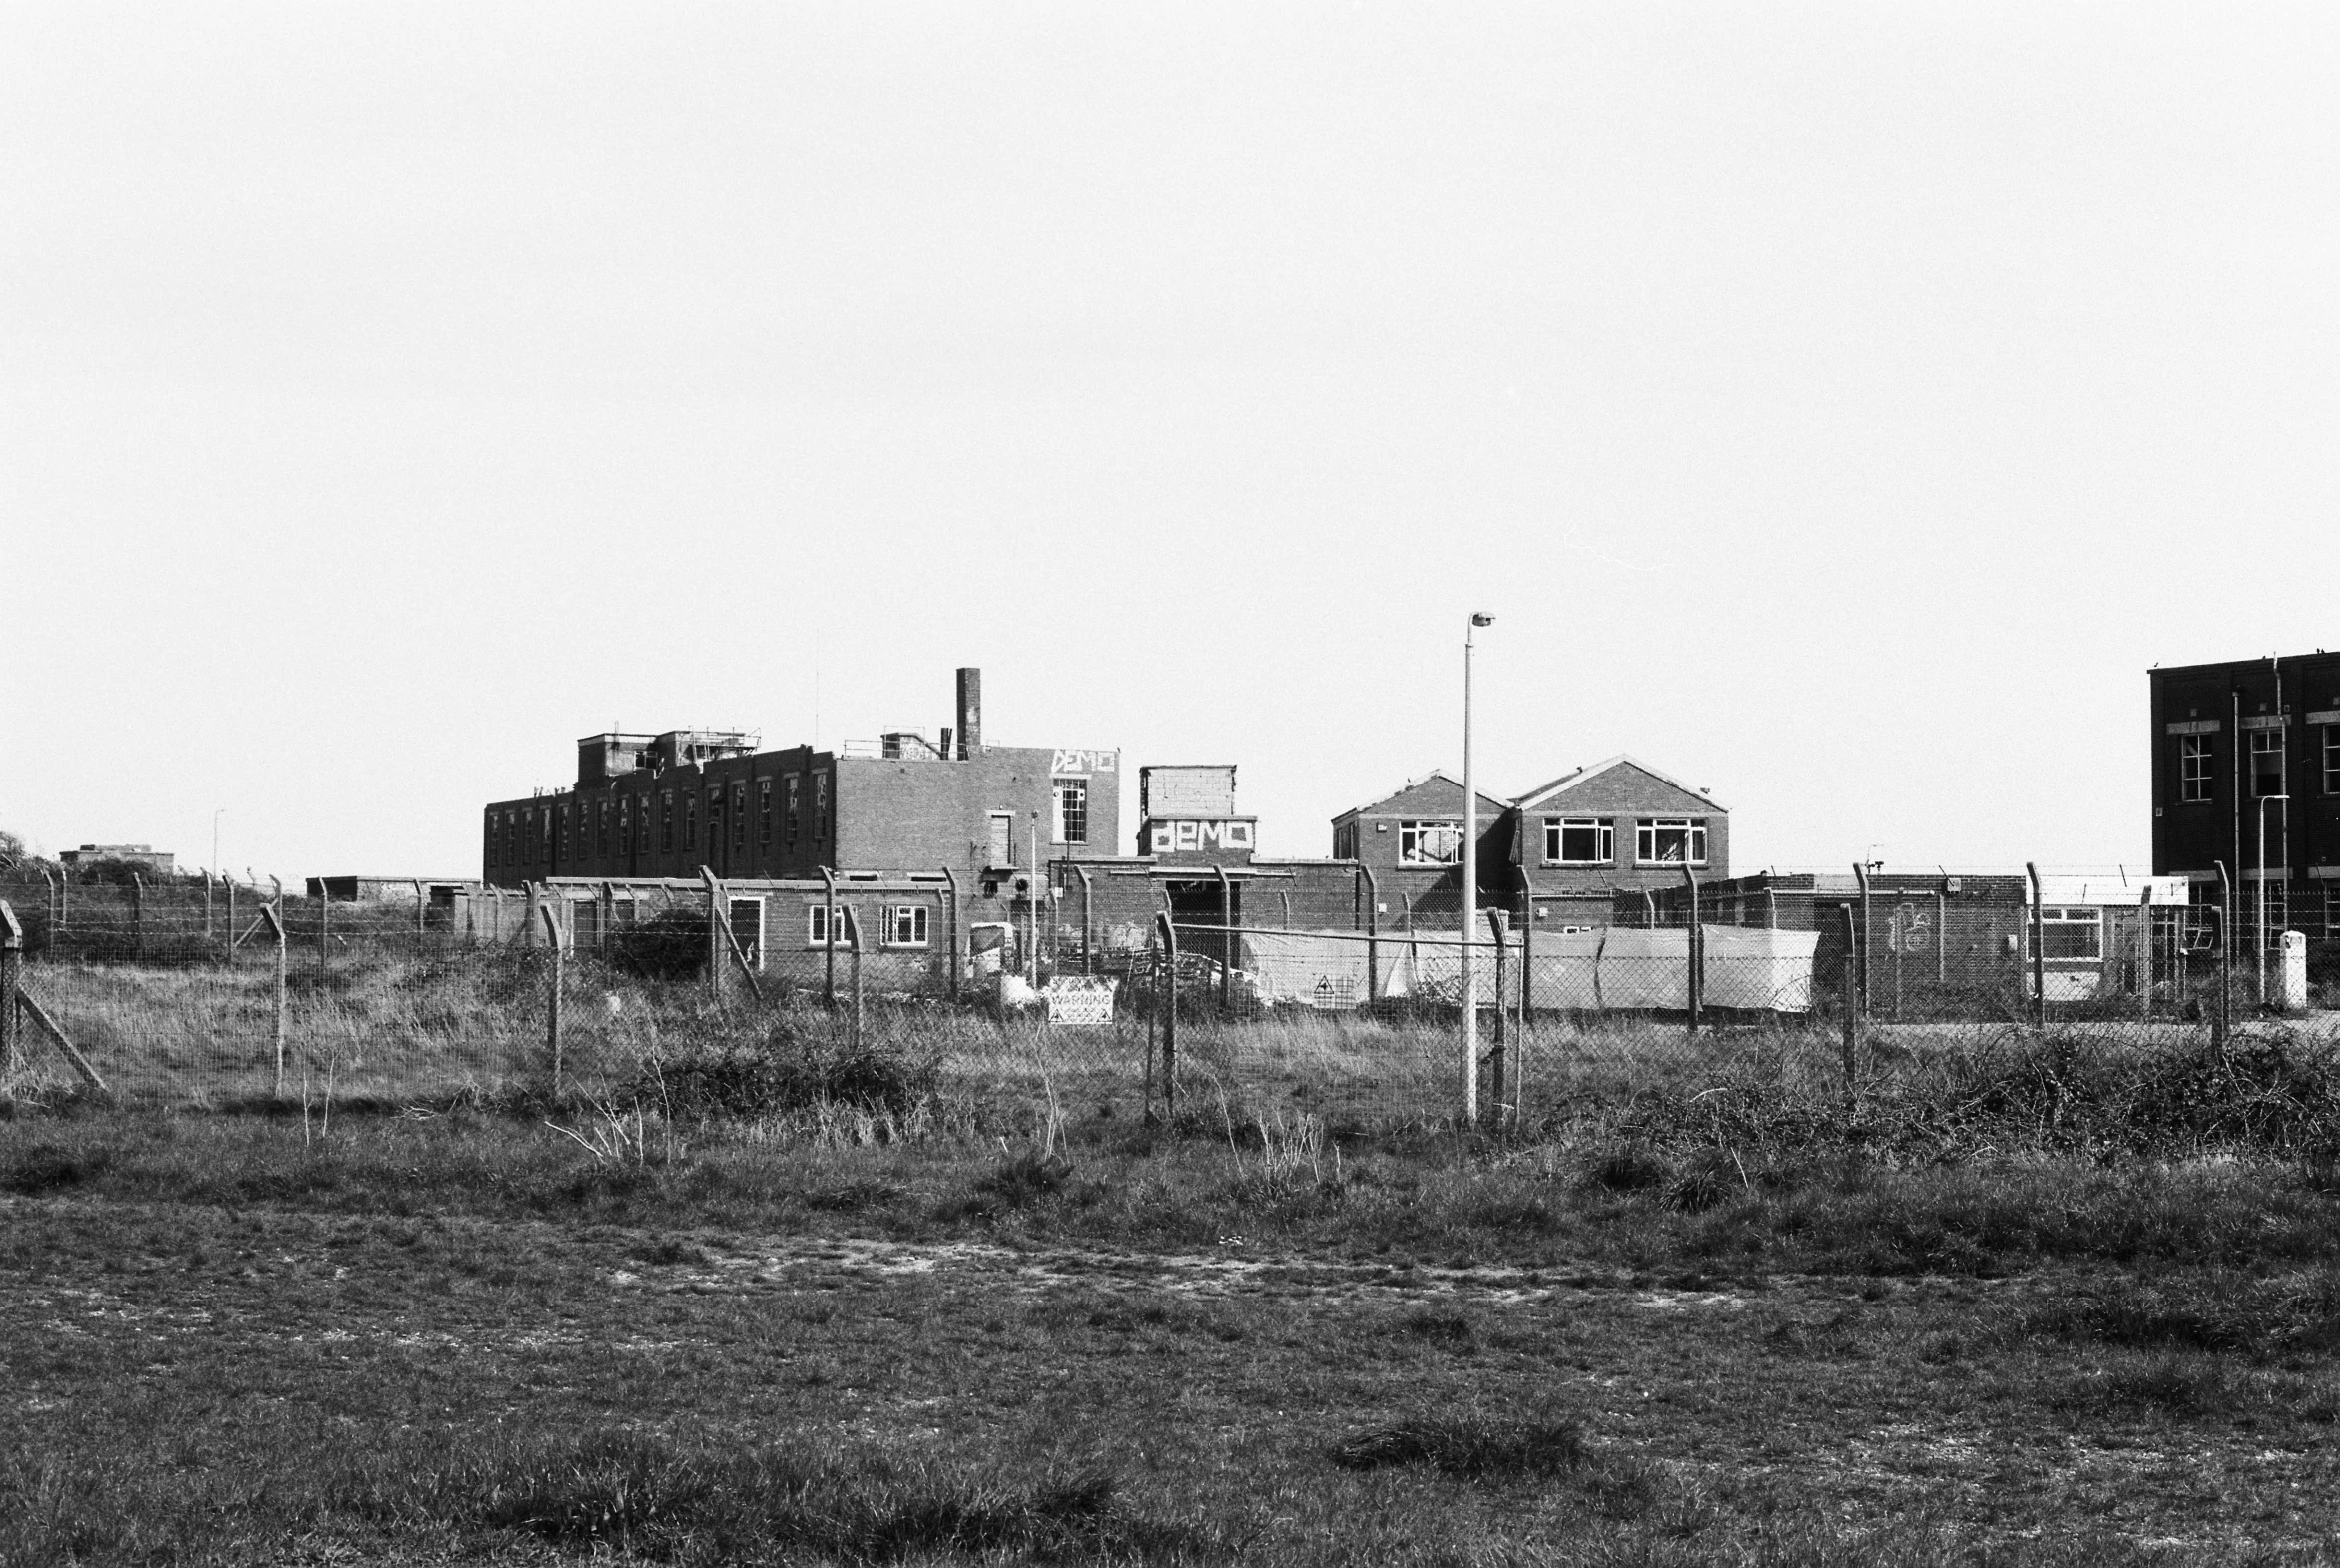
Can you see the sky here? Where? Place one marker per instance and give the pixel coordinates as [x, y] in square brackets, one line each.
[1838, 407]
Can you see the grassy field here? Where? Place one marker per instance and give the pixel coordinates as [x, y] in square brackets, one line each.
[827, 1336]
[764, 1295]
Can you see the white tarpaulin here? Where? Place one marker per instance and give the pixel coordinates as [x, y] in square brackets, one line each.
[1619, 969]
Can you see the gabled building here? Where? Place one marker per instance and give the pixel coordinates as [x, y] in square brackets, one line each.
[1411, 841]
[1620, 825]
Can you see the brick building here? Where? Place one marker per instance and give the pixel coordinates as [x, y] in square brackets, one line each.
[2243, 747]
[144, 858]
[664, 805]
[1567, 848]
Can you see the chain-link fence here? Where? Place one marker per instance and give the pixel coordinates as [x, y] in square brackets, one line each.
[218, 996]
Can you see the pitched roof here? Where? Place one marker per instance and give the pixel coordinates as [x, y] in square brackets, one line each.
[1566, 781]
[1436, 775]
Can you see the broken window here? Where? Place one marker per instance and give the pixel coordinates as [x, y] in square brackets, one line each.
[1671, 841]
[491, 844]
[794, 814]
[2076, 933]
[763, 815]
[747, 928]
[691, 823]
[2266, 763]
[1580, 840]
[625, 826]
[666, 822]
[2193, 770]
[564, 831]
[821, 819]
[1429, 844]
[1073, 810]
[905, 926]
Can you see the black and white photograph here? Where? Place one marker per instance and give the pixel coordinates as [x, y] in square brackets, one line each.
[1310, 784]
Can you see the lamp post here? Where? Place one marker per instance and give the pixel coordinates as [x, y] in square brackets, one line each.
[2266, 801]
[1470, 886]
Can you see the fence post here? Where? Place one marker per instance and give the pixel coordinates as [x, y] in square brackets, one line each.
[64, 899]
[227, 948]
[2225, 1017]
[2038, 951]
[1500, 1058]
[206, 908]
[324, 925]
[421, 923]
[853, 934]
[1372, 933]
[1852, 982]
[1227, 939]
[1861, 875]
[2145, 951]
[1169, 935]
[552, 1001]
[1088, 951]
[137, 916]
[11, 965]
[828, 936]
[1697, 952]
[274, 910]
[950, 880]
[1154, 987]
[1942, 932]
[1526, 949]
[718, 934]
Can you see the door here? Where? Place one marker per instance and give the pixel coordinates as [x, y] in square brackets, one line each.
[1002, 839]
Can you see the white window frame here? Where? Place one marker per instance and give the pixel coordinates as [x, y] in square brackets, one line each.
[1409, 837]
[2194, 771]
[2067, 917]
[817, 933]
[1556, 838]
[2332, 759]
[2278, 750]
[919, 919]
[1058, 788]
[1646, 830]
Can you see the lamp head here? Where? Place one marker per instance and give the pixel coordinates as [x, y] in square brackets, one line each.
[1477, 619]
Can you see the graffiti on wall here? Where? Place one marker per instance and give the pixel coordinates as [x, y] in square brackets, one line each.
[1195, 837]
[1091, 761]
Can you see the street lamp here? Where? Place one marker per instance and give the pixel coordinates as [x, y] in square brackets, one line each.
[2266, 801]
[1470, 888]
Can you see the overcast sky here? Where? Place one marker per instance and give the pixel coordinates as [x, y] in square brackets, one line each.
[1839, 407]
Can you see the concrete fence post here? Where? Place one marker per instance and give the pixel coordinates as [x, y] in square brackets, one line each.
[1851, 1004]
[1526, 947]
[1498, 1059]
[552, 999]
[227, 948]
[137, 916]
[274, 909]
[950, 951]
[324, 925]
[1168, 1002]
[1695, 991]
[2223, 1023]
[2038, 950]
[1227, 947]
[1372, 933]
[828, 938]
[718, 934]
[421, 914]
[207, 906]
[11, 977]
[1861, 876]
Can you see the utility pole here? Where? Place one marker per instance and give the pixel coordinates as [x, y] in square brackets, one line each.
[1469, 885]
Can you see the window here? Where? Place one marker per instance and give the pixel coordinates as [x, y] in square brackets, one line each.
[820, 819]
[566, 813]
[1429, 844]
[739, 818]
[601, 831]
[792, 814]
[2332, 759]
[666, 822]
[511, 839]
[1580, 840]
[1671, 841]
[691, 823]
[2068, 933]
[1073, 810]
[491, 844]
[763, 815]
[2266, 763]
[2193, 770]
[625, 808]
[817, 925]
[905, 926]
[544, 837]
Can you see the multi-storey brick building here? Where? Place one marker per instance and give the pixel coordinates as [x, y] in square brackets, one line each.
[666, 806]
[2246, 774]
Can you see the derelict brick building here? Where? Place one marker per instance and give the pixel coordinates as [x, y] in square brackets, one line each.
[2241, 743]
[664, 805]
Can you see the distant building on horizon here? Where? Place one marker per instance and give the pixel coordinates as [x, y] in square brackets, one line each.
[2246, 774]
[144, 858]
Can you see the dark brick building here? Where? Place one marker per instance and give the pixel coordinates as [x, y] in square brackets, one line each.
[664, 805]
[2238, 745]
